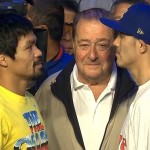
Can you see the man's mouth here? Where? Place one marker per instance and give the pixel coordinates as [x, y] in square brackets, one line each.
[38, 64]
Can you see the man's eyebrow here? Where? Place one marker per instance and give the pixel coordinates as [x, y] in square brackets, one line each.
[97, 40]
[124, 33]
[30, 42]
[83, 40]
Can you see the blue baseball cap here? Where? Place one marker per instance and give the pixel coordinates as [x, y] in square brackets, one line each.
[135, 22]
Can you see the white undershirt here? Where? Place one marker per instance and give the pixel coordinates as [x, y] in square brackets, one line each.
[135, 133]
[92, 115]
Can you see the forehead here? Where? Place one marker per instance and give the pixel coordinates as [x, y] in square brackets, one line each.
[128, 37]
[92, 29]
[26, 39]
[119, 10]
[69, 15]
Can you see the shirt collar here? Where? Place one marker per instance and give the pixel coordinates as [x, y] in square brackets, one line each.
[111, 84]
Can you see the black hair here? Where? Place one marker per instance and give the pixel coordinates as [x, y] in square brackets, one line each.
[12, 27]
[70, 4]
[50, 14]
[89, 14]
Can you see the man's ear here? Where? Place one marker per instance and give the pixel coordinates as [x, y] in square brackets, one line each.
[143, 46]
[3, 60]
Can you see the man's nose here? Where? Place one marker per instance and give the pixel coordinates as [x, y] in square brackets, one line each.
[92, 52]
[67, 36]
[37, 52]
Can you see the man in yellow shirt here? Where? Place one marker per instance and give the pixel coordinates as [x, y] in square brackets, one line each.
[21, 125]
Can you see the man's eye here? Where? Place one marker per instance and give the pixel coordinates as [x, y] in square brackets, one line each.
[84, 46]
[102, 47]
[29, 47]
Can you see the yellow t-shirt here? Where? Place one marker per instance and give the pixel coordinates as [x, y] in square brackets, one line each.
[21, 125]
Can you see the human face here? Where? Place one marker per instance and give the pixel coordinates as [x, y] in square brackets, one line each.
[126, 50]
[67, 32]
[119, 10]
[94, 51]
[27, 63]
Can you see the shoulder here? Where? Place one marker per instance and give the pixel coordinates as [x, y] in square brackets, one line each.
[142, 99]
[140, 107]
[45, 86]
[42, 96]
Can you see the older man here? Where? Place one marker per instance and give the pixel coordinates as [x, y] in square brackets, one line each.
[86, 106]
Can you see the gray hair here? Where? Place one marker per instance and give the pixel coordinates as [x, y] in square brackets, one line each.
[89, 14]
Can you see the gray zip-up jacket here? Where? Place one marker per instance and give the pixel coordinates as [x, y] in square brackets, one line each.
[58, 112]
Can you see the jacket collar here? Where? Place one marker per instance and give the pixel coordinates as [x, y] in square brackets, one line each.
[125, 88]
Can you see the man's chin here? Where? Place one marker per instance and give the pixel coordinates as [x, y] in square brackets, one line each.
[69, 50]
[36, 75]
[120, 64]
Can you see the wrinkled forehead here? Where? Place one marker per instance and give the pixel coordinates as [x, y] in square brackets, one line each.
[85, 24]
[90, 29]
[27, 39]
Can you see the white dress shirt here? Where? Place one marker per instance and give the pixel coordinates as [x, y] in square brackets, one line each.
[92, 115]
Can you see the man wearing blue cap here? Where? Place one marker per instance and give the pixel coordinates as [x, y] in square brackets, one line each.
[133, 53]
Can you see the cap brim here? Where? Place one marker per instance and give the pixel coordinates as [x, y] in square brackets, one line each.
[113, 24]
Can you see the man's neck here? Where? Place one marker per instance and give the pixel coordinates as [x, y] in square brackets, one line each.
[14, 84]
[140, 74]
[52, 50]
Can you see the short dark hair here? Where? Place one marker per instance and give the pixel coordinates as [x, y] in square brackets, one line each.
[89, 14]
[51, 14]
[70, 4]
[12, 27]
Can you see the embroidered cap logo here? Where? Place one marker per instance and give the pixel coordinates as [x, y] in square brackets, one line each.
[139, 31]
